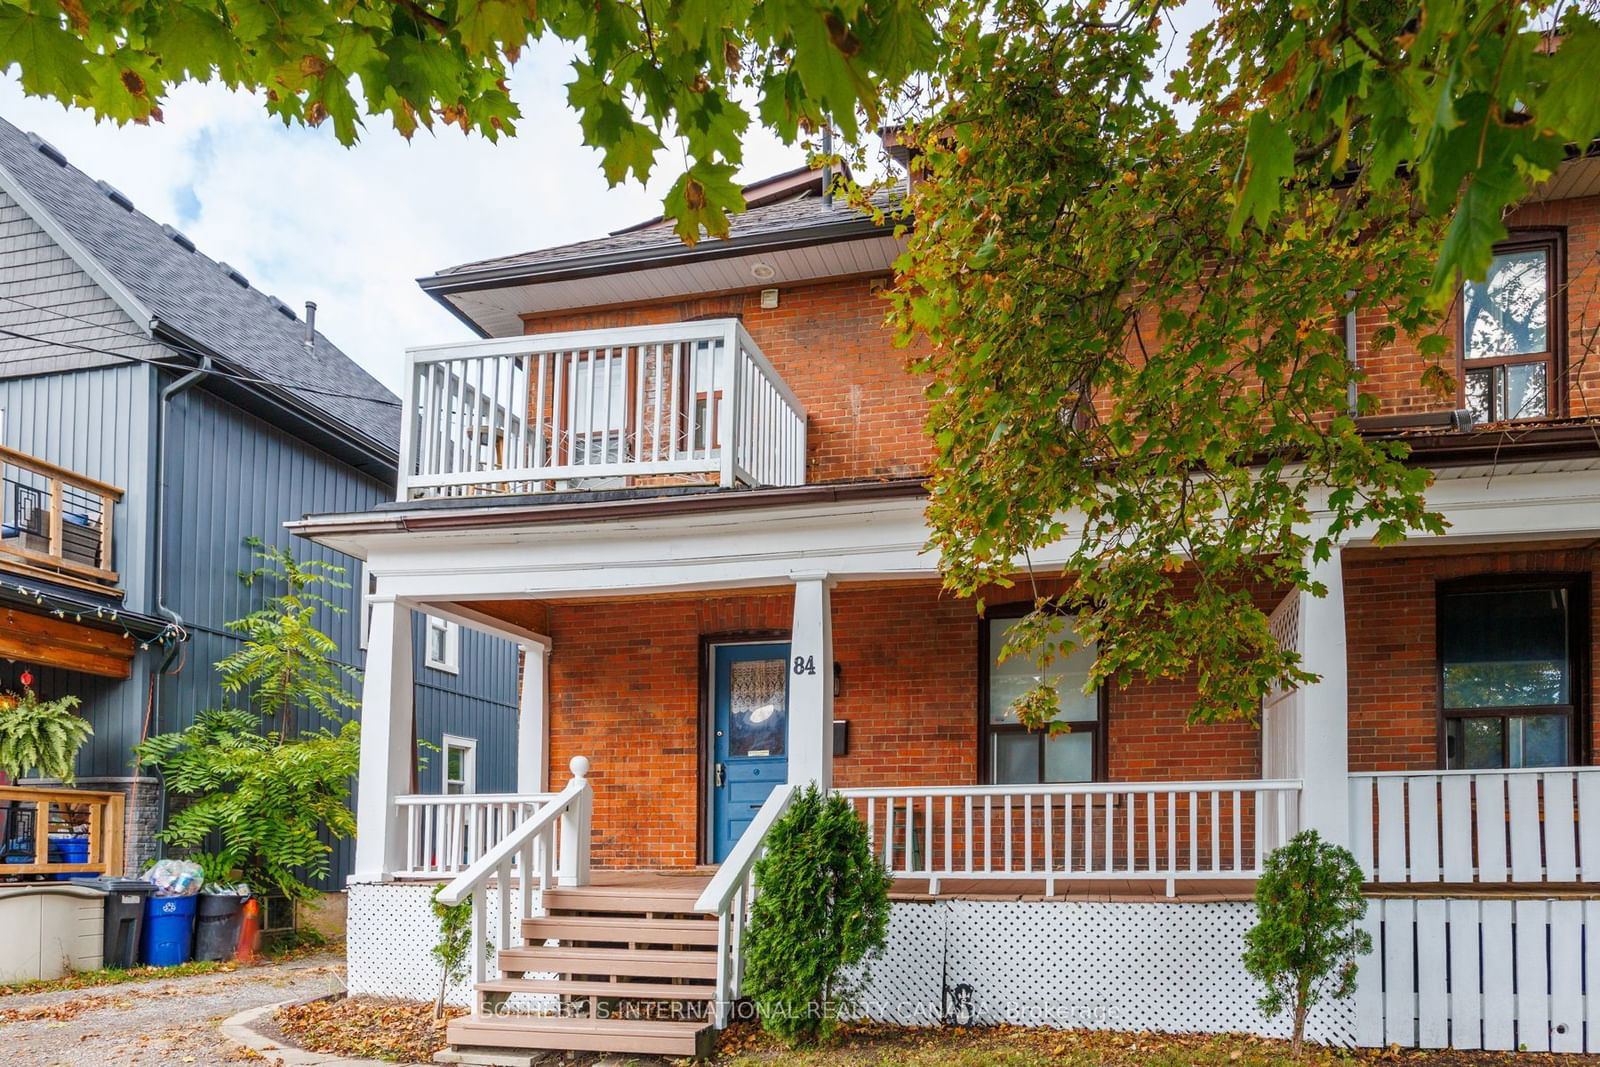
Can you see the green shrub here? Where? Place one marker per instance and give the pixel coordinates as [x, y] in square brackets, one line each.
[454, 947]
[1305, 941]
[821, 907]
[42, 735]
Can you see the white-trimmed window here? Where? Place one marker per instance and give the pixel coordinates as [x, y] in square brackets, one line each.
[460, 764]
[443, 647]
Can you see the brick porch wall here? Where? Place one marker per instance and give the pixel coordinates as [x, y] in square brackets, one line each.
[625, 691]
[1392, 646]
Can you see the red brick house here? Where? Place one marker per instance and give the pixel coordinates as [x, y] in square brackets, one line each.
[688, 480]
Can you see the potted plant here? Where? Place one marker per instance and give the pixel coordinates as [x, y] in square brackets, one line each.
[40, 735]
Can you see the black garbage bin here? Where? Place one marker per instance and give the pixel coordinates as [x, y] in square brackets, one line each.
[216, 926]
[124, 916]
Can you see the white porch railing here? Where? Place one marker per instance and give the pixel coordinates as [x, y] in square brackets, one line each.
[1477, 826]
[559, 828]
[1057, 833]
[730, 893]
[552, 411]
[447, 834]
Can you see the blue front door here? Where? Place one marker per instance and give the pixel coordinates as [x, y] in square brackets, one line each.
[750, 750]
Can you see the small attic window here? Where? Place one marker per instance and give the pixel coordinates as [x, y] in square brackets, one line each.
[115, 195]
[284, 309]
[48, 150]
[177, 237]
[233, 273]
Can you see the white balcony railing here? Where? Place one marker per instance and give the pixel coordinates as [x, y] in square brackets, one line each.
[598, 409]
[1062, 833]
[446, 834]
[1489, 827]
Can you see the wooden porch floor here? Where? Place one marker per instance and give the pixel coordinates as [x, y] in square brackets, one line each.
[914, 889]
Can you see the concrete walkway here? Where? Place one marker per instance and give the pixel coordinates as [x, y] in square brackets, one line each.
[170, 1023]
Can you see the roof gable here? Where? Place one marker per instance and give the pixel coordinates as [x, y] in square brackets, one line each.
[169, 288]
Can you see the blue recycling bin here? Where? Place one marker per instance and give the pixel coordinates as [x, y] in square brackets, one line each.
[168, 935]
[68, 848]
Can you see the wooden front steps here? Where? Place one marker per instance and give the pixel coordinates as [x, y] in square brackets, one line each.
[634, 969]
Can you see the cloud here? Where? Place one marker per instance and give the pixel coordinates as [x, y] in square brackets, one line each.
[306, 219]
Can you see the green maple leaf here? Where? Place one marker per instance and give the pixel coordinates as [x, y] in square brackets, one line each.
[1268, 162]
[1570, 104]
[487, 26]
[52, 60]
[626, 144]
[703, 198]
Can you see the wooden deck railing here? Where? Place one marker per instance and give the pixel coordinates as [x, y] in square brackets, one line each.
[446, 834]
[56, 524]
[598, 408]
[31, 815]
[1494, 827]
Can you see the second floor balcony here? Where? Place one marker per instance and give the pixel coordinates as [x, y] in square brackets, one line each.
[692, 402]
[56, 524]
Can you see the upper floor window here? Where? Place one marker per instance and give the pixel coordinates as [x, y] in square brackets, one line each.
[1510, 655]
[460, 765]
[444, 645]
[1511, 332]
[1014, 754]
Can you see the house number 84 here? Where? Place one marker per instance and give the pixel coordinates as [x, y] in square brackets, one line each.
[805, 665]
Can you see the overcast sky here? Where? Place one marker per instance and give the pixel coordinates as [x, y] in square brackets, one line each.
[306, 219]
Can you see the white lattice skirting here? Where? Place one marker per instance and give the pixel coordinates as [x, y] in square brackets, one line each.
[1124, 966]
[1146, 966]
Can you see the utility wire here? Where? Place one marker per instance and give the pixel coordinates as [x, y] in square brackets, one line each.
[246, 378]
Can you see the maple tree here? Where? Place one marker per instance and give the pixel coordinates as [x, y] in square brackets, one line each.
[646, 70]
[1134, 288]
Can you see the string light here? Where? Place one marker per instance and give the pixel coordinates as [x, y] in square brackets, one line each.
[169, 634]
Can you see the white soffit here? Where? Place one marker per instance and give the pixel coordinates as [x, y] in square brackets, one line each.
[500, 311]
[1573, 179]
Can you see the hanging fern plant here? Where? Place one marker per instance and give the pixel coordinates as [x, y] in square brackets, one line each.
[40, 735]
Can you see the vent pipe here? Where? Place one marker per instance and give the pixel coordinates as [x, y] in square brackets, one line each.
[311, 324]
[827, 165]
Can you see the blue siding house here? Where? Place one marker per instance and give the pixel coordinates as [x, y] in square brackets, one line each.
[174, 411]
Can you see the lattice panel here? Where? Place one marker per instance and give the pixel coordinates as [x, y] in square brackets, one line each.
[1134, 966]
[390, 934]
[906, 984]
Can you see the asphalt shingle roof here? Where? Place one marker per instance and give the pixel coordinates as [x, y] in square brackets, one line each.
[800, 213]
[196, 295]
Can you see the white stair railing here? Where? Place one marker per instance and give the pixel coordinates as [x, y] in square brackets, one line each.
[446, 833]
[730, 893]
[1494, 827]
[558, 828]
[1079, 832]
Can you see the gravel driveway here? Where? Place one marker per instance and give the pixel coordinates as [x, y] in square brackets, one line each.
[157, 1023]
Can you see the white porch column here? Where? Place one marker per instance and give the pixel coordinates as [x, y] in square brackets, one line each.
[533, 720]
[1324, 755]
[386, 747]
[811, 682]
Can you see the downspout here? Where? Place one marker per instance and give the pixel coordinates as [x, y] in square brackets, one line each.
[1351, 357]
[158, 539]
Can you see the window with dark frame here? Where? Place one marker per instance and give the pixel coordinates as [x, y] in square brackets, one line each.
[1011, 753]
[1513, 330]
[1511, 655]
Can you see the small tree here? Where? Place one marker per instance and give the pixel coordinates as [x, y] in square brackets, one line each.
[286, 663]
[42, 735]
[454, 948]
[822, 906]
[1305, 941]
[270, 795]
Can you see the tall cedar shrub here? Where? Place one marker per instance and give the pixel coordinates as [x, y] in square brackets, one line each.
[1306, 941]
[821, 908]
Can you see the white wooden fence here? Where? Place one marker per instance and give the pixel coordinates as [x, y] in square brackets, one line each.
[1477, 826]
[1481, 973]
[447, 834]
[1055, 833]
[553, 411]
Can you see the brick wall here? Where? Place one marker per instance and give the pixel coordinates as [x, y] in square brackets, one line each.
[829, 344]
[1392, 646]
[1393, 373]
[625, 691]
